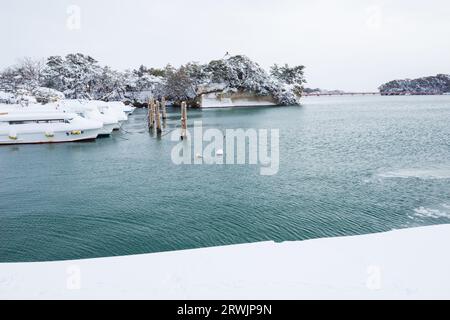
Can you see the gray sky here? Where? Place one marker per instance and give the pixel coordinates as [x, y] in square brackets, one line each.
[346, 44]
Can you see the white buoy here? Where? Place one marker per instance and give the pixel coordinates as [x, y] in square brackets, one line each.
[219, 152]
[198, 156]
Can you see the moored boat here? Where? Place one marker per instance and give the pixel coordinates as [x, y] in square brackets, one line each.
[79, 107]
[122, 106]
[90, 111]
[108, 110]
[20, 127]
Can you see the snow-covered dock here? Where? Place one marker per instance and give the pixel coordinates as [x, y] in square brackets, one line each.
[410, 264]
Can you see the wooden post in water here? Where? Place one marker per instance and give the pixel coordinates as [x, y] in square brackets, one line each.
[183, 120]
[163, 107]
[151, 114]
[158, 118]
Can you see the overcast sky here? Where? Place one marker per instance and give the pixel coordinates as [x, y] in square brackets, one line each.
[346, 44]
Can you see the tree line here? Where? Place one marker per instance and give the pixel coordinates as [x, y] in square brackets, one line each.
[79, 76]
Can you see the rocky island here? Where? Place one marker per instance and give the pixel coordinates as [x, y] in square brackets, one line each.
[439, 84]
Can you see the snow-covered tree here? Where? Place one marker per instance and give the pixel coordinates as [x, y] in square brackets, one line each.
[54, 73]
[140, 86]
[178, 85]
[427, 85]
[27, 74]
[293, 76]
[31, 72]
[110, 85]
[10, 80]
[7, 97]
[143, 70]
[75, 75]
[239, 73]
[81, 76]
[198, 73]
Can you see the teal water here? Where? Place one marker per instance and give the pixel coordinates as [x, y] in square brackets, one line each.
[348, 165]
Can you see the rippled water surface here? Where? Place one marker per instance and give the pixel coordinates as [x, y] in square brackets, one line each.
[348, 165]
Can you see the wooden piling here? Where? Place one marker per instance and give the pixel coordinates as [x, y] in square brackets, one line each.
[183, 120]
[158, 117]
[163, 108]
[151, 114]
[149, 108]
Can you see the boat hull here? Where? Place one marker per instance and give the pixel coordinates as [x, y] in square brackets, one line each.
[108, 129]
[42, 137]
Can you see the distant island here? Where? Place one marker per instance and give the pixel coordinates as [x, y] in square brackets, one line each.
[439, 84]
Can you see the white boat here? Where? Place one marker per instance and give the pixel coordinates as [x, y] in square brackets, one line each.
[19, 127]
[90, 111]
[122, 106]
[80, 107]
[108, 110]
[112, 114]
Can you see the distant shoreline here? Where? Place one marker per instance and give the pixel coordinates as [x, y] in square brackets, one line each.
[373, 94]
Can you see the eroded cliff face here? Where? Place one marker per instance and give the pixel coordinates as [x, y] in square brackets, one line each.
[439, 84]
[235, 99]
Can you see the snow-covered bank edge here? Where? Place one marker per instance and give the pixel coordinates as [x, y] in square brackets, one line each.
[403, 264]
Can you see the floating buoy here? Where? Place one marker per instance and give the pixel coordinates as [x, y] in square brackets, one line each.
[219, 152]
[198, 156]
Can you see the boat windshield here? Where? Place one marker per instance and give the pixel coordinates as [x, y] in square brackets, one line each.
[13, 122]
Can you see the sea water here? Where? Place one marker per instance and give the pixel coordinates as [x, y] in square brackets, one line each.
[348, 166]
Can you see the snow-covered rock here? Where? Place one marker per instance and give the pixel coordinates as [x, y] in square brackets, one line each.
[46, 95]
[235, 99]
[238, 75]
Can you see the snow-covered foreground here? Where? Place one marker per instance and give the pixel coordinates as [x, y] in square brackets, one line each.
[412, 263]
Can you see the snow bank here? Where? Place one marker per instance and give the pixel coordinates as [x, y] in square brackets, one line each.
[404, 264]
[7, 98]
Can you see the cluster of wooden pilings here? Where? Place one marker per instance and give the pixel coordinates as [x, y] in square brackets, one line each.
[157, 116]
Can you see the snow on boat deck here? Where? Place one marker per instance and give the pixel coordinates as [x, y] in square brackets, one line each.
[403, 264]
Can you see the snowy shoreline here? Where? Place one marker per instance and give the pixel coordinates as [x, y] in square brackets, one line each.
[402, 264]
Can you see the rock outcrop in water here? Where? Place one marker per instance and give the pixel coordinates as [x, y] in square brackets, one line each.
[238, 78]
[439, 84]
